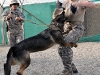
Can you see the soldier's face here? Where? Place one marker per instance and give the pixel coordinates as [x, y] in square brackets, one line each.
[14, 7]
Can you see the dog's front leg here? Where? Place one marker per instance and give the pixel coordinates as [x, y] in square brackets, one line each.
[73, 44]
[68, 44]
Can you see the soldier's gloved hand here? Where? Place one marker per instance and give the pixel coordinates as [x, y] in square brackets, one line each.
[17, 18]
[10, 15]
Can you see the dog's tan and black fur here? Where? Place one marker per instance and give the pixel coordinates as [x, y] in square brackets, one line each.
[20, 52]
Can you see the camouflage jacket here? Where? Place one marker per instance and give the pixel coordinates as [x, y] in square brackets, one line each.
[12, 23]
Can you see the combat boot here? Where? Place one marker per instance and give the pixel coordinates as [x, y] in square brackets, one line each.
[66, 72]
[75, 71]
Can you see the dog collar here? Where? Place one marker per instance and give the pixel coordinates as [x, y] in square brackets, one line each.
[58, 25]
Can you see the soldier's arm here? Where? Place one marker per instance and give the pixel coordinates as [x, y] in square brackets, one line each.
[5, 16]
[87, 4]
[21, 15]
[70, 10]
[58, 4]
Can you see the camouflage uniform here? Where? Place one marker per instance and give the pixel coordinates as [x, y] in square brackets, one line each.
[15, 31]
[66, 53]
[75, 19]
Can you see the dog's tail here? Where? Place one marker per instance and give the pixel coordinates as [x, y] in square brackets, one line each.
[7, 65]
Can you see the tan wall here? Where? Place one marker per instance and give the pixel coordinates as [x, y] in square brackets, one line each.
[92, 21]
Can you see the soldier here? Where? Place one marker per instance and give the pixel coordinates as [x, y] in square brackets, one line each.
[74, 11]
[14, 19]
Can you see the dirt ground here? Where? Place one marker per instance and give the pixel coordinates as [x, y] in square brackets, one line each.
[48, 62]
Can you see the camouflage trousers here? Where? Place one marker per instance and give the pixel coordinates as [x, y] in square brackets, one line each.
[66, 53]
[15, 37]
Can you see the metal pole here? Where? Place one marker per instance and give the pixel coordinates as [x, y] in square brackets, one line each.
[2, 27]
[3, 33]
[21, 5]
[21, 2]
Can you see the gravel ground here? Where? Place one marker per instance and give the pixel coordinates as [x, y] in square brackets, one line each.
[48, 62]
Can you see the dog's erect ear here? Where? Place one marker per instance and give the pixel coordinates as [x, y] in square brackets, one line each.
[56, 18]
[60, 16]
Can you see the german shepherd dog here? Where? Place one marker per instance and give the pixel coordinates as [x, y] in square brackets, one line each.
[20, 52]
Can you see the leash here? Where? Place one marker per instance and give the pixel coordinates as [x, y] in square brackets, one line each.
[35, 23]
[34, 17]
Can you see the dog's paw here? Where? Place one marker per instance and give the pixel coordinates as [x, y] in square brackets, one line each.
[19, 73]
[4, 66]
[75, 45]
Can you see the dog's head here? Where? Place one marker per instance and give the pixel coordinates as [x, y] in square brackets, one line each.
[59, 21]
[60, 18]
